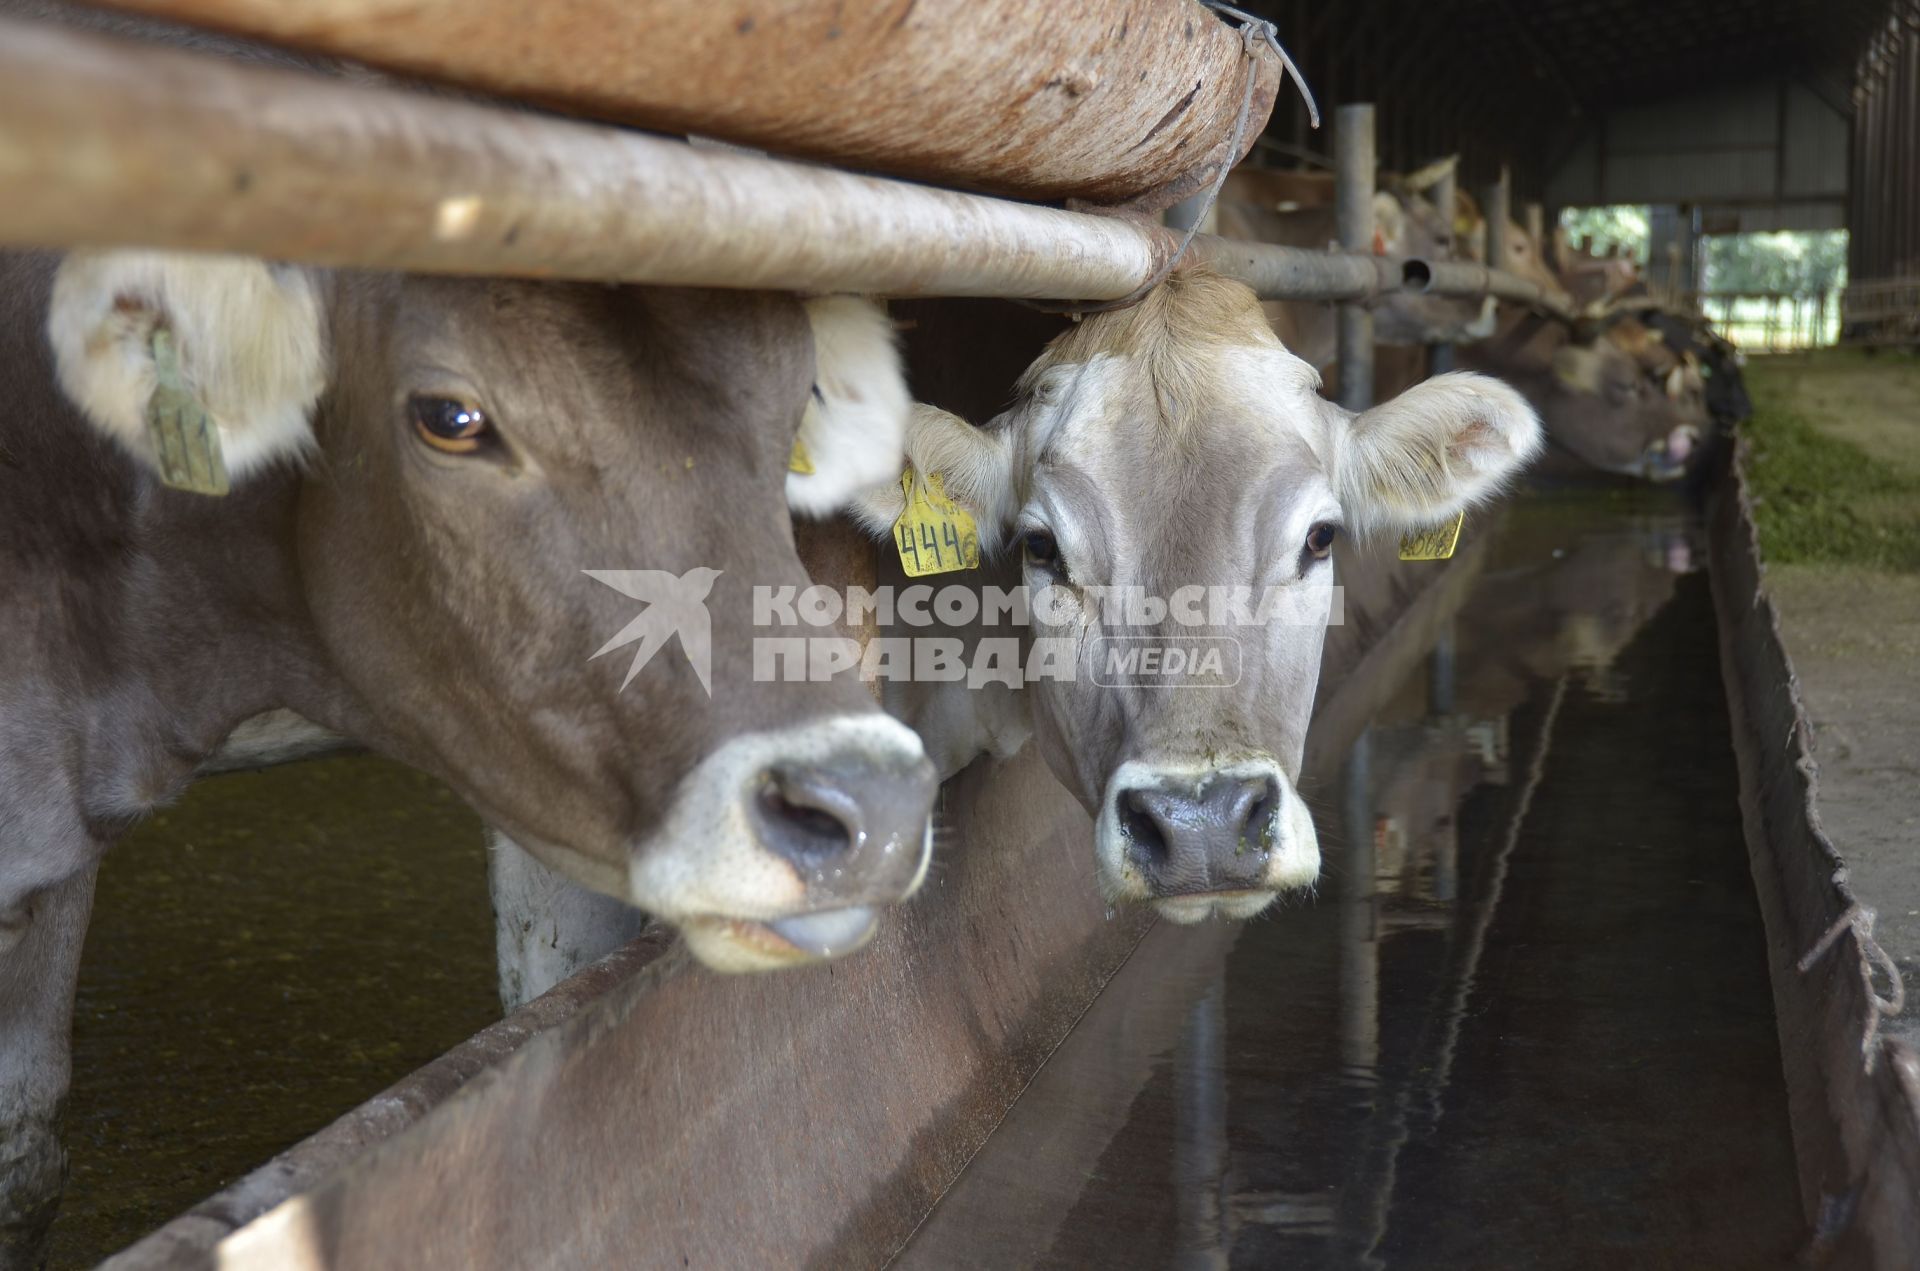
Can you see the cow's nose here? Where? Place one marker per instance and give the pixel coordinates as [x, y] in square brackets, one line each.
[853, 831]
[1681, 442]
[1216, 837]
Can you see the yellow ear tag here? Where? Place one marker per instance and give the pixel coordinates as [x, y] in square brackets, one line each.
[186, 443]
[800, 461]
[1436, 542]
[934, 534]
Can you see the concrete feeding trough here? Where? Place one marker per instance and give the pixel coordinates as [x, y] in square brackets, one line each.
[1853, 1095]
[648, 1111]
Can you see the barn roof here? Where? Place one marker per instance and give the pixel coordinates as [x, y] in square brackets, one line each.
[1510, 80]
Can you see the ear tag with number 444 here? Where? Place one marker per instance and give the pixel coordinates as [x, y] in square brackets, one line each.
[186, 443]
[1436, 542]
[934, 535]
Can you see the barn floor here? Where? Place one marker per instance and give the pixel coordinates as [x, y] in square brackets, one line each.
[1526, 1022]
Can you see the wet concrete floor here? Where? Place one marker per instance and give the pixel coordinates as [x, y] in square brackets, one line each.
[270, 951]
[1526, 1020]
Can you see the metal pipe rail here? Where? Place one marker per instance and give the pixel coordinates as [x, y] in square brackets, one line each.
[108, 142]
[1471, 278]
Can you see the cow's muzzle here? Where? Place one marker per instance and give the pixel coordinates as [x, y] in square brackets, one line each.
[783, 847]
[1666, 459]
[1205, 840]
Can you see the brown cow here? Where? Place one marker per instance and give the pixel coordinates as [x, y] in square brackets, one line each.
[426, 471]
[1596, 400]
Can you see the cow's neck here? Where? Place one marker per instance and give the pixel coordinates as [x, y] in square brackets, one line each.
[207, 629]
[957, 723]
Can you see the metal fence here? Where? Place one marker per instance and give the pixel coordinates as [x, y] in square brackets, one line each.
[1882, 311]
[1772, 321]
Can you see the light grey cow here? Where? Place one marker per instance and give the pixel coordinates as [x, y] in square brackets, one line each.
[422, 469]
[1176, 452]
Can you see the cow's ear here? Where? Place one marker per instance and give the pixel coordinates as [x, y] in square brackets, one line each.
[248, 338]
[1435, 450]
[853, 434]
[1389, 225]
[975, 467]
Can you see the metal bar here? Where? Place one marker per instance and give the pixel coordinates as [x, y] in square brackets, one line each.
[1471, 278]
[1353, 165]
[1499, 211]
[1297, 273]
[1445, 201]
[1105, 100]
[107, 143]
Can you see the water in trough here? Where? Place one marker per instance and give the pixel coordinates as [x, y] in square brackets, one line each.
[1525, 1021]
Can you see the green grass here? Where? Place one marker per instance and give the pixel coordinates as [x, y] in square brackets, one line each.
[1819, 499]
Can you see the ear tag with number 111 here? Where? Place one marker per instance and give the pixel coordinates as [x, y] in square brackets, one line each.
[1436, 542]
[934, 535]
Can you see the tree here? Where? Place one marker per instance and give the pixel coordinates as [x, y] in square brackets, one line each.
[1623, 226]
[1803, 263]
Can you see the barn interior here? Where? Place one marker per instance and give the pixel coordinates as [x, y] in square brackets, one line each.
[1583, 980]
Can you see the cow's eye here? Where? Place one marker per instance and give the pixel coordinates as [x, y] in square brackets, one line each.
[1320, 540]
[449, 425]
[1040, 549]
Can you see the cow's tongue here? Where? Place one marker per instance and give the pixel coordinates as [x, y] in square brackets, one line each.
[826, 932]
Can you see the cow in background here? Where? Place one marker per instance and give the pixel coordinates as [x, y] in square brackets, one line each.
[1597, 402]
[1295, 209]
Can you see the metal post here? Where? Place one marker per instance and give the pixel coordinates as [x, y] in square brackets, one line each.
[1359, 1017]
[1353, 215]
[1499, 212]
[1200, 1156]
[1440, 356]
[1442, 662]
[1186, 214]
[1446, 201]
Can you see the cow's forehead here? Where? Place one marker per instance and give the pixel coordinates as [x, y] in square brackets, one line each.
[1117, 415]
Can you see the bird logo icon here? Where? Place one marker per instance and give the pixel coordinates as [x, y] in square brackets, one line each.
[676, 605]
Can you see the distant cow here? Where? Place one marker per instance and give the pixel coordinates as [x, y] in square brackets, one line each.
[1177, 451]
[1597, 400]
[1295, 209]
[423, 468]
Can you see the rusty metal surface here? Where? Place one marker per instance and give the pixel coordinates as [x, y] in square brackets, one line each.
[1854, 1096]
[1111, 101]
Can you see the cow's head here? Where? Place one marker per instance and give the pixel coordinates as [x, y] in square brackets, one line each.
[1623, 403]
[1176, 451]
[1409, 227]
[454, 456]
